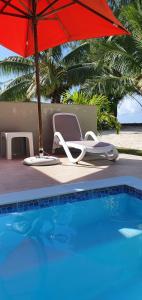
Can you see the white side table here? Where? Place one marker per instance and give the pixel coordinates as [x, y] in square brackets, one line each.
[8, 138]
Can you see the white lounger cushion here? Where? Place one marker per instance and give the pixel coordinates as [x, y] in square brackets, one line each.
[91, 146]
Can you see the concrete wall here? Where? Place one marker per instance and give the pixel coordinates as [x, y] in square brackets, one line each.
[15, 116]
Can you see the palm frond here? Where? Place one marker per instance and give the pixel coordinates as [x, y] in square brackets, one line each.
[16, 65]
[77, 74]
[76, 54]
[108, 85]
[16, 90]
[116, 5]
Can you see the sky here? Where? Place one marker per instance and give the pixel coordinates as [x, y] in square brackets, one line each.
[129, 110]
[4, 52]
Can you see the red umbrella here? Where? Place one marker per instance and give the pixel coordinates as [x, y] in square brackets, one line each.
[30, 26]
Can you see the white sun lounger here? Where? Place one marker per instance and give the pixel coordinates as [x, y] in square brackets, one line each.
[68, 134]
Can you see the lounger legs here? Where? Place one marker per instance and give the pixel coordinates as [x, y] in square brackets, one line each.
[112, 155]
[57, 135]
[78, 158]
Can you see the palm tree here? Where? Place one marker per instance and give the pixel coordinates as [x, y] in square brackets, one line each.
[58, 73]
[118, 60]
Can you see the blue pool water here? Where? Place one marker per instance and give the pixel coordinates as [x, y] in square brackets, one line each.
[82, 250]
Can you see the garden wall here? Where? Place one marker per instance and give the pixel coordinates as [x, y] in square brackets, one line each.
[15, 116]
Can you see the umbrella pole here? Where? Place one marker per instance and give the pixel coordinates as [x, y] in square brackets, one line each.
[36, 56]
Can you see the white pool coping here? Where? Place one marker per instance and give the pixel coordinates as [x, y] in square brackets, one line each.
[34, 194]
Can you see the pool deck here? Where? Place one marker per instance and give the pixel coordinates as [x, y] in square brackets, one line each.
[14, 176]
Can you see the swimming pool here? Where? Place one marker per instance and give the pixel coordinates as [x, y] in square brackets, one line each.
[80, 246]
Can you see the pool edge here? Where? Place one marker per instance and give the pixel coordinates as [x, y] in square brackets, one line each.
[34, 194]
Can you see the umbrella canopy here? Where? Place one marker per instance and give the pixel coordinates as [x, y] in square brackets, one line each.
[58, 21]
[30, 26]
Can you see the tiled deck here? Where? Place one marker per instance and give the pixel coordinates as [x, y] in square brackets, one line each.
[14, 176]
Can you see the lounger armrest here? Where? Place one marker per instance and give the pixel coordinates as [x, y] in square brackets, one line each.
[92, 135]
[58, 138]
[58, 141]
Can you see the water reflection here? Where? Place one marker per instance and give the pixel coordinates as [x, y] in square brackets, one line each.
[62, 232]
[29, 243]
[49, 226]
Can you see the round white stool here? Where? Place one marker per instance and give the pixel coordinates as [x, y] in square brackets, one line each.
[8, 138]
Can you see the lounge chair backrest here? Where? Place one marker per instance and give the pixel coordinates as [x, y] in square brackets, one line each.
[68, 125]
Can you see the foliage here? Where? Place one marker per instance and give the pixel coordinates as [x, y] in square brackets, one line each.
[104, 118]
[118, 60]
[116, 5]
[57, 73]
[130, 151]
